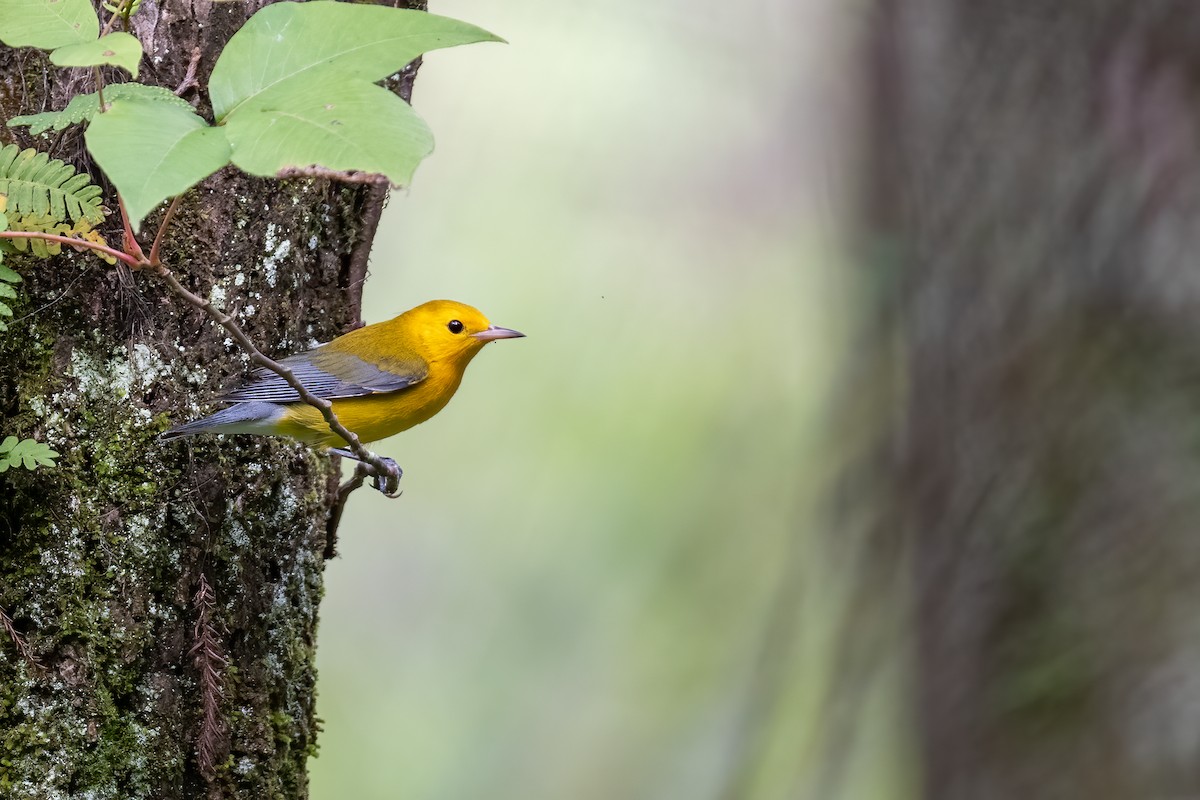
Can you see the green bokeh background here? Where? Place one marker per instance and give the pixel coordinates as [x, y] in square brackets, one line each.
[574, 596]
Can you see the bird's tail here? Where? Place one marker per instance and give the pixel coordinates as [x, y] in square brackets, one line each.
[237, 418]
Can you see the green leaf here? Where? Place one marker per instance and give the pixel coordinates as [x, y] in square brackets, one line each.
[119, 49]
[152, 151]
[287, 45]
[85, 106]
[366, 128]
[8, 275]
[47, 24]
[295, 87]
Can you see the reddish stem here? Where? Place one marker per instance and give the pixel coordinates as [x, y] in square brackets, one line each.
[131, 243]
[132, 261]
[162, 229]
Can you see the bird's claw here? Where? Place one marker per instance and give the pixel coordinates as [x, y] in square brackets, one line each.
[389, 482]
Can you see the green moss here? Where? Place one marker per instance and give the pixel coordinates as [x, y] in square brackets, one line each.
[100, 561]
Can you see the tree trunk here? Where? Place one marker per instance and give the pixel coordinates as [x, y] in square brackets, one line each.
[167, 593]
[1038, 162]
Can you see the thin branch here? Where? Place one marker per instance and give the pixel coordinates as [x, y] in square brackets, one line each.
[99, 88]
[112, 21]
[54, 237]
[361, 471]
[21, 644]
[162, 229]
[349, 176]
[384, 470]
[62, 295]
[189, 77]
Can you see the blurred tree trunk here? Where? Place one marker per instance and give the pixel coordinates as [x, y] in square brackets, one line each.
[167, 593]
[1038, 164]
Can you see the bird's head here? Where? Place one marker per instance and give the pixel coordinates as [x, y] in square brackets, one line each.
[450, 331]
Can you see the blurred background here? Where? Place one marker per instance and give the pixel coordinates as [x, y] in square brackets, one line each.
[850, 453]
[589, 588]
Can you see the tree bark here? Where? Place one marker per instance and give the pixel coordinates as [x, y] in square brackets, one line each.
[167, 593]
[1038, 163]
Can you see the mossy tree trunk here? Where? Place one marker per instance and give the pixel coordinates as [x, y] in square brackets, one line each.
[167, 592]
[1039, 164]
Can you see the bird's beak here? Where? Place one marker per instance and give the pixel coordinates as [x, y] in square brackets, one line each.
[495, 332]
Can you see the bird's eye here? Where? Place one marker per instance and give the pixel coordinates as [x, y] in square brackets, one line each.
[455, 326]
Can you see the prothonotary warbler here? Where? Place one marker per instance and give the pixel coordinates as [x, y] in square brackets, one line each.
[381, 379]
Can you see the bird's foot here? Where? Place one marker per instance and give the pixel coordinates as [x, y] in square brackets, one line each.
[389, 482]
[385, 472]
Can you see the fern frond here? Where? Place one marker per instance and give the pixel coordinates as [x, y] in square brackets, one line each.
[36, 184]
[28, 453]
[8, 278]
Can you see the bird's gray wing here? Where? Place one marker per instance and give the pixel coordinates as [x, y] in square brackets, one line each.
[316, 370]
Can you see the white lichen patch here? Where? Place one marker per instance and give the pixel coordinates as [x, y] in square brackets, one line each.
[63, 557]
[288, 504]
[126, 373]
[108, 386]
[275, 254]
[217, 296]
[237, 535]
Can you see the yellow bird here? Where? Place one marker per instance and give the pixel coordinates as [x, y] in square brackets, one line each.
[381, 379]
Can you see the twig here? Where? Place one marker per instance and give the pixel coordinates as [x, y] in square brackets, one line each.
[54, 237]
[349, 176]
[189, 77]
[209, 659]
[108, 26]
[19, 641]
[162, 228]
[385, 472]
[335, 514]
[99, 88]
[61, 296]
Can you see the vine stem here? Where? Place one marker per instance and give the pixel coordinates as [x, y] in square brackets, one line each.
[130, 241]
[112, 21]
[162, 229]
[99, 78]
[132, 261]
